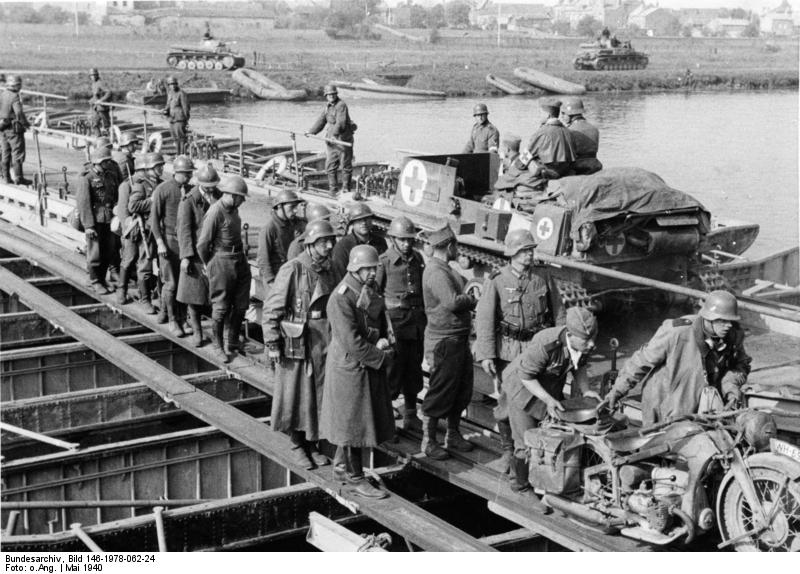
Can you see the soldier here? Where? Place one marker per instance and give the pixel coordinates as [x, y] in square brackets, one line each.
[94, 201]
[691, 363]
[128, 144]
[585, 138]
[359, 232]
[447, 352]
[177, 110]
[131, 231]
[139, 206]
[13, 125]
[275, 236]
[313, 212]
[549, 153]
[400, 279]
[516, 303]
[220, 248]
[484, 136]
[340, 127]
[534, 381]
[356, 407]
[99, 114]
[193, 283]
[295, 313]
[164, 225]
[514, 177]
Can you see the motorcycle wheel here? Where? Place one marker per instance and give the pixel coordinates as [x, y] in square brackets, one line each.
[783, 533]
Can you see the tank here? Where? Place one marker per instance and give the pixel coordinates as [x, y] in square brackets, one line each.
[211, 55]
[599, 57]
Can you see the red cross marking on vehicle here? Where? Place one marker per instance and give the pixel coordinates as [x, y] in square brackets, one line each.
[614, 244]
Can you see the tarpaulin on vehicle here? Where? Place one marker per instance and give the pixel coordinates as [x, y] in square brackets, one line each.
[620, 191]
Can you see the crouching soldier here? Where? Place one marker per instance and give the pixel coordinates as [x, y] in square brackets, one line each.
[297, 334]
[193, 283]
[534, 381]
[220, 248]
[356, 403]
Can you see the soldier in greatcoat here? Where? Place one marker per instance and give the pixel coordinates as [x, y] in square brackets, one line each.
[340, 127]
[400, 279]
[484, 135]
[220, 248]
[549, 153]
[95, 200]
[164, 225]
[516, 303]
[139, 205]
[124, 156]
[193, 283]
[313, 212]
[359, 232]
[275, 236]
[585, 137]
[296, 335]
[177, 111]
[356, 403]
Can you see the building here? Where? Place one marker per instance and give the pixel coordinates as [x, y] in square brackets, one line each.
[611, 13]
[653, 20]
[697, 18]
[779, 21]
[512, 16]
[729, 27]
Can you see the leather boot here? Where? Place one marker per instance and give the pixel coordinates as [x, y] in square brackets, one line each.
[299, 451]
[521, 485]
[453, 439]
[162, 316]
[430, 447]
[411, 421]
[507, 444]
[122, 287]
[356, 478]
[5, 173]
[333, 183]
[217, 330]
[114, 276]
[144, 298]
[17, 176]
[197, 326]
[339, 465]
[318, 458]
[234, 345]
[175, 326]
[347, 183]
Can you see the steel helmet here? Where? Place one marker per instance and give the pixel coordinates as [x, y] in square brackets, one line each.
[552, 105]
[207, 175]
[402, 228]
[480, 109]
[100, 154]
[182, 164]
[94, 73]
[139, 162]
[153, 159]
[331, 89]
[362, 256]
[13, 81]
[316, 211]
[285, 196]
[517, 240]
[358, 211]
[720, 305]
[103, 141]
[129, 138]
[572, 107]
[171, 80]
[318, 229]
[234, 185]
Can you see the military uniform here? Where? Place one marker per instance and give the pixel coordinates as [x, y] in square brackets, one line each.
[400, 279]
[164, 226]
[95, 199]
[482, 137]
[546, 359]
[142, 247]
[13, 125]
[178, 111]
[515, 177]
[296, 247]
[99, 115]
[124, 160]
[339, 126]
[681, 361]
[586, 141]
[273, 242]
[341, 251]
[551, 148]
[193, 283]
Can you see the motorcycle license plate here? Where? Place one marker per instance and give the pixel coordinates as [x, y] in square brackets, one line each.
[784, 448]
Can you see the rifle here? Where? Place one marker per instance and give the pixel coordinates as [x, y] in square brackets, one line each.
[390, 336]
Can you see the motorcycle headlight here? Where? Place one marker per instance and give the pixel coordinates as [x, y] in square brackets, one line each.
[758, 428]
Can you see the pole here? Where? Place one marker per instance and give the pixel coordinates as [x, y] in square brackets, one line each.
[145, 144]
[39, 436]
[75, 14]
[498, 24]
[241, 150]
[158, 513]
[85, 538]
[282, 130]
[45, 504]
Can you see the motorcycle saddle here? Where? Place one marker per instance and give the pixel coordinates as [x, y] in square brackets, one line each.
[629, 440]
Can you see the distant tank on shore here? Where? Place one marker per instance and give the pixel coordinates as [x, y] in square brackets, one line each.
[596, 56]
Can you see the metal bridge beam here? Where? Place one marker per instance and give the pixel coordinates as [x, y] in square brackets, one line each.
[400, 515]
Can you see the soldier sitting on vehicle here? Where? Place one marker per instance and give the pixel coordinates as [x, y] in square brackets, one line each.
[585, 138]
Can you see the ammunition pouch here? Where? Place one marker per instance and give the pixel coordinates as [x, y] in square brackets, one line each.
[294, 345]
[116, 225]
[554, 458]
[518, 333]
[130, 228]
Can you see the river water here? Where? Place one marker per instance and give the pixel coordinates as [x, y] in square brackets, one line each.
[735, 152]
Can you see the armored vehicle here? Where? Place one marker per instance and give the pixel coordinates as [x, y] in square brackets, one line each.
[212, 55]
[598, 57]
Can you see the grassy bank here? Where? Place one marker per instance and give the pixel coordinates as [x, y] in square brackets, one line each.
[457, 65]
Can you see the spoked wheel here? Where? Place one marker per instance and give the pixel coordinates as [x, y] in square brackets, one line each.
[780, 498]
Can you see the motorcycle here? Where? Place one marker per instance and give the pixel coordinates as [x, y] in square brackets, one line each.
[673, 481]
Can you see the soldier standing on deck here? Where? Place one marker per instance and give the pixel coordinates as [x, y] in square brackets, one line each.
[400, 279]
[13, 125]
[99, 114]
[359, 227]
[193, 283]
[164, 225]
[178, 111]
[94, 201]
[128, 144]
[516, 303]
[313, 212]
[296, 337]
[131, 233]
[139, 206]
[585, 137]
[356, 403]
[484, 136]
[275, 237]
[220, 248]
[340, 127]
[447, 352]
